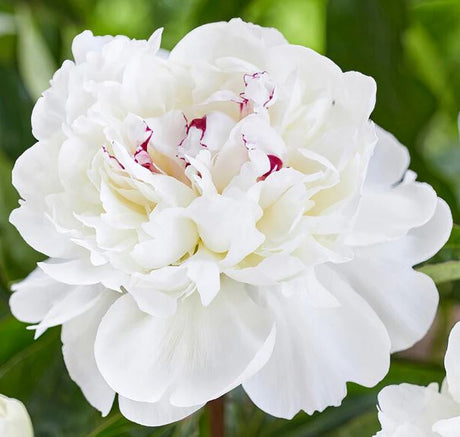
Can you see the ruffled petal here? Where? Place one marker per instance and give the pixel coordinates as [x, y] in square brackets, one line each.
[86, 42]
[448, 427]
[388, 163]
[388, 215]
[154, 413]
[39, 232]
[314, 356]
[411, 407]
[39, 298]
[82, 272]
[34, 296]
[405, 300]
[195, 355]
[207, 42]
[420, 243]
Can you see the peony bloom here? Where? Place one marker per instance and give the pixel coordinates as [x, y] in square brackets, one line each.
[14, 419]
[408, 410]
[222, 215]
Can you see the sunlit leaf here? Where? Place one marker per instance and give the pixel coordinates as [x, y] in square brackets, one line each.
[35, 60]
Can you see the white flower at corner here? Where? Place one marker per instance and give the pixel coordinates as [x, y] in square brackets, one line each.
[220, 216]
[14, 419]
[408, 410]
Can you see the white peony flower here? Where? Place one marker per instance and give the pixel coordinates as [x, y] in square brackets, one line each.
[226, 215]
[408, 410]
[14, 419]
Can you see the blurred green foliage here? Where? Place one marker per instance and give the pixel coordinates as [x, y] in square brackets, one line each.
[411, 48]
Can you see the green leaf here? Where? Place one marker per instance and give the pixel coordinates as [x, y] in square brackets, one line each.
[16, 257]
[36, 63]
[442, 272]
[14, 338]
[451, 250]
[301, 21]
[358, 409]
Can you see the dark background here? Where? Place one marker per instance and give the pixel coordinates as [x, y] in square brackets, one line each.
[411, 48]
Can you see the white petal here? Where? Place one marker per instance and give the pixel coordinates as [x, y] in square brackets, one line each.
[316, 293]
[452, 362]
[35, 296]
[269, 271]
[387, 215]
[171, 235]
[152, 301]
[448, 427]
[27, 175]
[196, 355]
[388, 163]
[155, 40]
[85, 43]
[259, 135]
[38, 231]
[314, 356]
[49, 112]
[359, 92]
[420, 243]
[78, 300]
[153, 414]
[78, 336]
[218, 127]
[82, 272]
[227, 225]
[406, 404]
[405, 300]
[205, 43]
[203, 269]
[14, 419]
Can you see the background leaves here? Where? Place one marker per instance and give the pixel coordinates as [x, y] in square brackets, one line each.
[411, 48]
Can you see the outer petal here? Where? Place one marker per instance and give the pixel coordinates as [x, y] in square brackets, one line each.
[388, 163]
[156, 293]
[78, 336]
[86, 42]
[35, 296]
[81, 271]
[211, 41]
[153, 414]
[448, 427]
[195, 355]
[39, 232]
[39, 298]
[308, 369]
[452, 362]
[78, 300]
[405, 300]
[406, 405]
[390, 214]
[420, 243]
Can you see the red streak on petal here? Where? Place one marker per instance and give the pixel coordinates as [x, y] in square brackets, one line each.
[145, 143]
[141, 155]
[199, 123]
[275, 165]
